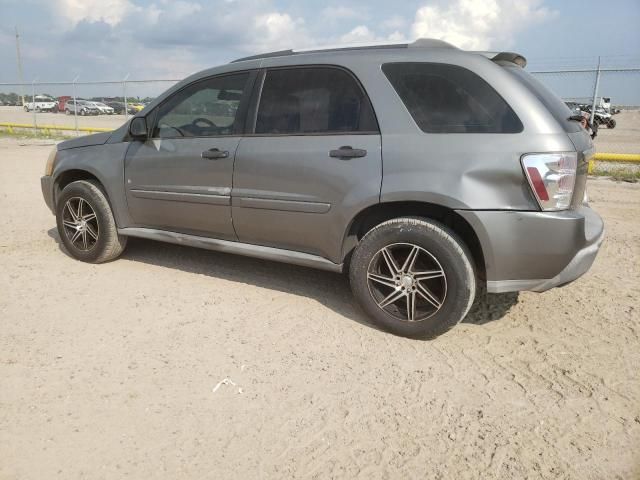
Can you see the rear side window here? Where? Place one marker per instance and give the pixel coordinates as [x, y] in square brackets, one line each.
[313, 100]
[450, 99]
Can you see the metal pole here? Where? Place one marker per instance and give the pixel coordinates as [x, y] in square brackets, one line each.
[20, 73]
[75, 104]
[33, 105]
[595, 95]
[124, 92]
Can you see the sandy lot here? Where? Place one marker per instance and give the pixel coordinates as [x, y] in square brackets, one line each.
[625, 138]
[110, 371]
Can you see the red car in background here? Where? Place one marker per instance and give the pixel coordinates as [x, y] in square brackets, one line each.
[62, 102]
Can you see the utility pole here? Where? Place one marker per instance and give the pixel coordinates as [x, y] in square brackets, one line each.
[592, 118]
[20, 75]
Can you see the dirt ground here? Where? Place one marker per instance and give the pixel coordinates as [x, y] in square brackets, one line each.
[114, 371]
[624, 138]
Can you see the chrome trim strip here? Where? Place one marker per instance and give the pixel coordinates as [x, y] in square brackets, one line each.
[256, 251]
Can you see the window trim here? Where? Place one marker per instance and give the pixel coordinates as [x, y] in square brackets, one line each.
[252, 116]
[395, 91]
[243, 107]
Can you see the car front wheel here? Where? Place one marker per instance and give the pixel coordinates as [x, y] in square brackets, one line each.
[413, 276]
[86, 225]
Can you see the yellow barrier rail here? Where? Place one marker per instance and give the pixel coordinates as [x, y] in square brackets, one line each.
[617, 157]
[11, 126]
[613, 157]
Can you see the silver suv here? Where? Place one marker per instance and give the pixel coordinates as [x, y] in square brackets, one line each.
[422, 170]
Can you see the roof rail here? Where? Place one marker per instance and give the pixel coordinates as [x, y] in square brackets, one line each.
[419, 43]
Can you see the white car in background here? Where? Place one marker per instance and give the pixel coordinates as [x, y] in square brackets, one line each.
[102, 108]
[41, 103]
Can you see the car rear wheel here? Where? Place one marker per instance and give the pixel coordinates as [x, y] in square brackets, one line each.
[611, 123]
[413, 276]
[86, 225]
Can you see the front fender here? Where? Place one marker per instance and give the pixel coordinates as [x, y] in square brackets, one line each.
[104, 162]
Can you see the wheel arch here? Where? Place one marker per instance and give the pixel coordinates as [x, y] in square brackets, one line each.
[373, 215]
[64, 178]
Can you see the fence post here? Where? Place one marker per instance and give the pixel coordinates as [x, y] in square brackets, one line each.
[33, 106]
[124, 92]
[592, 117]
[75, 104]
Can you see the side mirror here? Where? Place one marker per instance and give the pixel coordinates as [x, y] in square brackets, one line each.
[138, 127]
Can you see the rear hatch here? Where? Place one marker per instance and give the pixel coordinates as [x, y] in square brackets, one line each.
[578, 135]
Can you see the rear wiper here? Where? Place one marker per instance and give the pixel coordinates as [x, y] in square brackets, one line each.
[576, 118]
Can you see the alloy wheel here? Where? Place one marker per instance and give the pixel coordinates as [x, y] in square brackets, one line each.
[80, 224]
[407, 282]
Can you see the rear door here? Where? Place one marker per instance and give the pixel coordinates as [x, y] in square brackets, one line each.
[180, 178]
[313, 159]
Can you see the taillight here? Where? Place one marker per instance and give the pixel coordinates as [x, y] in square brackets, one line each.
[552, 177]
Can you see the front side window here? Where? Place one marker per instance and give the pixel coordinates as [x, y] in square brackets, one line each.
[450, 99]
[204, 109]
[313, 100]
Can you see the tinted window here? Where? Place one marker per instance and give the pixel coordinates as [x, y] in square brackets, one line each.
[450, 99]
[313, 100]
[204, 109]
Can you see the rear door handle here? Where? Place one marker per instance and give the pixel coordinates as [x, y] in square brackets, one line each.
[347, 152]
[214, 154]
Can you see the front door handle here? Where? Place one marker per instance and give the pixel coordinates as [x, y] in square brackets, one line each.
[347, 152]
[214, 154]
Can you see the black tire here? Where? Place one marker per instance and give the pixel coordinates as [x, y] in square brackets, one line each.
[443, 247]
[611, 123]
[108, 245]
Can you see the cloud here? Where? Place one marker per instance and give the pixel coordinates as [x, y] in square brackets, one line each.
[360, 34]
[277, 31]
[111, 12]
[477, 24]
[170, 38]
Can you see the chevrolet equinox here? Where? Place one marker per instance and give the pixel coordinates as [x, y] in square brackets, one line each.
[421, 170]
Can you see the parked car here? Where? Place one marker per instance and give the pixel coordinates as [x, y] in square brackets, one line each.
[62, 103]
[81, 107]
[118, 107]
[424, 171]
[137, 106]
[102, 108]
[40, 103]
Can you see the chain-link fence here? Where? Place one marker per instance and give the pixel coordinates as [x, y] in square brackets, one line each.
[75, 108]
[105, 105]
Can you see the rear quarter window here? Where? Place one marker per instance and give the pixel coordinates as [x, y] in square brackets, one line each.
[445, 98]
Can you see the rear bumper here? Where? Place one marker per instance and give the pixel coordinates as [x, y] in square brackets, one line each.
[536, 251]
[46, 184]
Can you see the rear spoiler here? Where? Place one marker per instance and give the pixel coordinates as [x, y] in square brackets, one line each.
[510, 57]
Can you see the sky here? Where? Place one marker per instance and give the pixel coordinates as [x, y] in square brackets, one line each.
[163, 39]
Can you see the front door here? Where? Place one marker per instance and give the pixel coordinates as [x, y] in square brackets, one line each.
[311, 163]
[180, 178]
